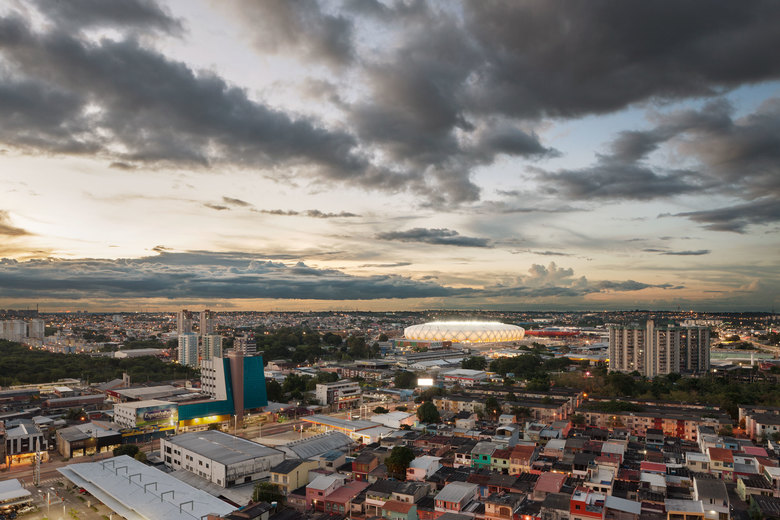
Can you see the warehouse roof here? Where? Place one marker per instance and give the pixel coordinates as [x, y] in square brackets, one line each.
[221, 447]
[140, 492]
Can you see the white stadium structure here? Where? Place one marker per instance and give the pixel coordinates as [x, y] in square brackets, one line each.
[465, 332]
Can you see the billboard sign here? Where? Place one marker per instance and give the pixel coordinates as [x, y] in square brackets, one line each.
[161, 415]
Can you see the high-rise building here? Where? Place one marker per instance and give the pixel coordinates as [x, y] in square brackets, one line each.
[211, 346]
[36, 329]
[13, 330]
[188, 349]
[207, 322]
[184, 322]
[245, 344]
[652, 350]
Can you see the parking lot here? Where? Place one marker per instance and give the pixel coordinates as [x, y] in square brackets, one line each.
[60, 500]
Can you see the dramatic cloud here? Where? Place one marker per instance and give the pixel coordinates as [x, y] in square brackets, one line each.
[202, 275]
[737, 218]
[205, 275]
[440, 236]
[299, 26]
[235, 202]
[117, 99]
[7, 229]
[313, 213]
[553, 281]
[735, 157]
[122, 14]
[696, 252]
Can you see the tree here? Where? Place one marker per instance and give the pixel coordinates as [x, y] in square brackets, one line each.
[381, 409]
[140, 457]
[428, 413]
[267, 492]
[398, 461]
[492, 408]
[273, 390]
[126, 449]
[401, 408]
[577, 419]
[405, 379]
[474, 363]
[383, 337]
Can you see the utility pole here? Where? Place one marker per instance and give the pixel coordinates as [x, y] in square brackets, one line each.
[37, 469]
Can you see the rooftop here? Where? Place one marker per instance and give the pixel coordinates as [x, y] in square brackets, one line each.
[140, 492]
[221, 447]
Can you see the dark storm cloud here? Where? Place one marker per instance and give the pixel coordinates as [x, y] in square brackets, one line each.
[695, 252]
[7, 229]
[313, 213]
[613, 179]
[737, 218]
[563, 59]
[439, 236]
[442, 90]
[166, 276]
[123, 14]
[735, 157]
[235, 275]
[159, 110]
[299, 26]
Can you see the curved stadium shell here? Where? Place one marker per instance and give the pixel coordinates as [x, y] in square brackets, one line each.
[465, 331]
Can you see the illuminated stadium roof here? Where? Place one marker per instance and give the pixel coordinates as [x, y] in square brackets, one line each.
[465, 331]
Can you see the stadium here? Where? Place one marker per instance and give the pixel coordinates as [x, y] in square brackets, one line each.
[465, 332]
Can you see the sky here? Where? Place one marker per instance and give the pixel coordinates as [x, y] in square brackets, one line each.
[389, 155]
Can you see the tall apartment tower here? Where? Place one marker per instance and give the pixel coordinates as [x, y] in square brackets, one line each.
[188, 349]
[658, 350]
[211, 346]
[207, 322]
[184, 322]
[245, 344]
[36, 329]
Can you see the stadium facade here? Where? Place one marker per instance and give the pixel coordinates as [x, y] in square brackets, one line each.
[465, 332]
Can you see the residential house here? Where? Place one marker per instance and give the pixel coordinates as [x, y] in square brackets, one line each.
[714, 497]
[683, 509]
[502, 506]
[721, 463]
[587, 504]
[500, 460]
[291, 474]
[454, 497]
[548, 483]
[481, 454]
[339, 501]
[321, 487]
[396, 510]
[421, 468]
[522, 459]
[363, 465]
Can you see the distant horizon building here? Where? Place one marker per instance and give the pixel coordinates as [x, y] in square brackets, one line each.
[211, 346]
[183, 322]
[659, 350]
[36, 328]
[13, 330]
[245, 344]
[207, 322]
[188, 349]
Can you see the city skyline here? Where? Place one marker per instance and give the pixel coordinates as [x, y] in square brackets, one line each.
[389, 155]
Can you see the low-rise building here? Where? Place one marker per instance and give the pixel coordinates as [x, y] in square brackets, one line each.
[454, 497]
[225, 460]
[340, 395]
[291, 474]
[421, 468]
[87, 439]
